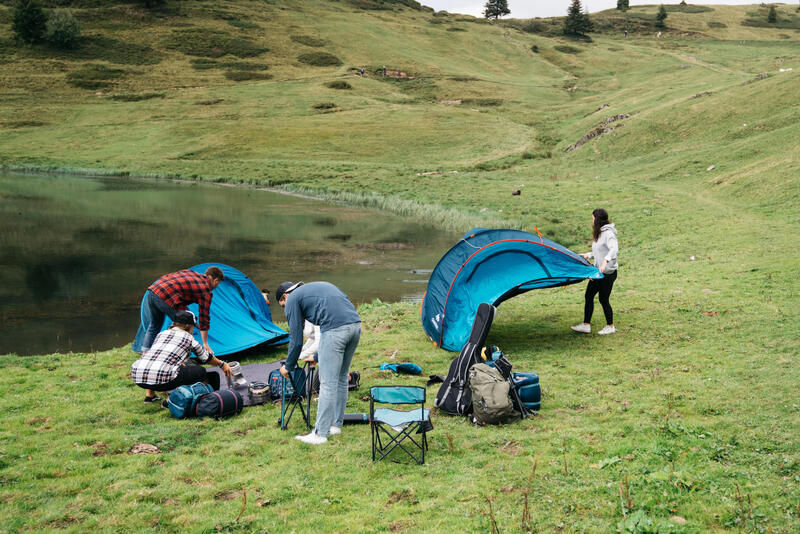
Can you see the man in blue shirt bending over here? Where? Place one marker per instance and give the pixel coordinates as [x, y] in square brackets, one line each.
[325, 305]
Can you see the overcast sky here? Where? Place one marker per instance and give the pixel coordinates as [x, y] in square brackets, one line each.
[524, 9]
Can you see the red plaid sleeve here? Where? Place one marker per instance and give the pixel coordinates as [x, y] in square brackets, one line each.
[204, 322]
[181, 288]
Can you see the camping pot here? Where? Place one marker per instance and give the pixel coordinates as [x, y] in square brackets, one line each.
[259, 392]
[238, 379]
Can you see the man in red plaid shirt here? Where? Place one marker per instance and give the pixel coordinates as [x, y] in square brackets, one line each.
[174, 292]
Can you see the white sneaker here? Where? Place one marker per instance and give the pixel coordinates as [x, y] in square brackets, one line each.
[583, 328]
[335, 430]
[608, 329]
[312, 439]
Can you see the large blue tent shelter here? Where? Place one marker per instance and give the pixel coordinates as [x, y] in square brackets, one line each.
[492, 265]
[240, 317]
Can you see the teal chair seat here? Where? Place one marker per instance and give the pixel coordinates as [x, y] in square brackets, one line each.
[400, 418]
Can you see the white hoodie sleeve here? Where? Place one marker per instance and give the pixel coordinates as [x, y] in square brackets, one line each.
[613, 247]
[312, 334]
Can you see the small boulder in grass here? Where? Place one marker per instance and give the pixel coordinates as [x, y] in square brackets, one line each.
[678, 519]
[711, 168]
[516, 192]
[145, 448]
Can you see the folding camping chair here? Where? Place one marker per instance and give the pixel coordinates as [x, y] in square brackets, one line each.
[392, 428]
[300, 396]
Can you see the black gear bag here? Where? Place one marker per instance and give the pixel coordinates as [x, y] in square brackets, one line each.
[454, 396]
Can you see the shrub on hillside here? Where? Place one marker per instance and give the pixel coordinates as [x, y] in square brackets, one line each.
[549, 27]
[486, 102]
[29, 21]
[388, 4]
[243, 65]
[208, 64]
[204, 64]
[715, 24]
[212, 43]
[320, 59]
[338, 84]
[686, 8]
[242, 75]
[456, 29]
[62, 29]
[308, 40]
[324, 105]
[102, 48]
[136, 97]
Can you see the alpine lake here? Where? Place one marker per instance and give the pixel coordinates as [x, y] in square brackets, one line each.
[77, 253]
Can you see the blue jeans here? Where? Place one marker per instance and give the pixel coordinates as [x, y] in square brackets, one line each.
[336, 349]
[158, 310]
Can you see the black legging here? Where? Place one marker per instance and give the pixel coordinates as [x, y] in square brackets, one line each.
[602, 286]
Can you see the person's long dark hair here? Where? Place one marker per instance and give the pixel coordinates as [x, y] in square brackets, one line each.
[600, 220]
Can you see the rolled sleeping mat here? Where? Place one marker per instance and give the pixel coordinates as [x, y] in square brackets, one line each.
[356, 419]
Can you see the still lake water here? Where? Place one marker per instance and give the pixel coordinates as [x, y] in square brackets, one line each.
[77, 254]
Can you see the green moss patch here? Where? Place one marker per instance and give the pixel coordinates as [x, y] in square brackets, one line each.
[308, 40]
[95, 76]
[208, 64]
[136, 97]
[242, 75]
[485, 102]
[338, 84]
[320, 59]
[786, 21]
[566, 49]
[21, 124]
[243, 24]
[678, 8]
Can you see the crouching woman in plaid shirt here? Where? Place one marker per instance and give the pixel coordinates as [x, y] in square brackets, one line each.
[165, 365]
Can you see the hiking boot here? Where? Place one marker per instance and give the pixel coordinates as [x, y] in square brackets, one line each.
[154, 398]
[608, 329]
[165, 404]
[583, 328]
[312, 439]
[335, 430]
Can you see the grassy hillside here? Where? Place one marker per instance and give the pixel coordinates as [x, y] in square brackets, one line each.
[685, 421]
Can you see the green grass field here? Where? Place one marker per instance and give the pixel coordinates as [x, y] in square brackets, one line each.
[686, 420]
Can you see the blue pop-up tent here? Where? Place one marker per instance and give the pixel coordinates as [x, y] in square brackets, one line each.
[492, 266]
[240, 317]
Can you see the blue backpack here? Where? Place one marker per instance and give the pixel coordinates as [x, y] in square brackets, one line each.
[183, 400]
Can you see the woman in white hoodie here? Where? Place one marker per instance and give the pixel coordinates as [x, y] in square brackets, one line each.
[604, 251]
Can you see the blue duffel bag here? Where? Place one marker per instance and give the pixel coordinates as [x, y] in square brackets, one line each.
[183, 400]
[528, 389]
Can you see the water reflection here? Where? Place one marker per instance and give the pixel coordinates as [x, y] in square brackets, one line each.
[76, 254]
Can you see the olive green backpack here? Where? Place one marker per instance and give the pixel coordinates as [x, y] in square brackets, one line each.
[491, 400]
